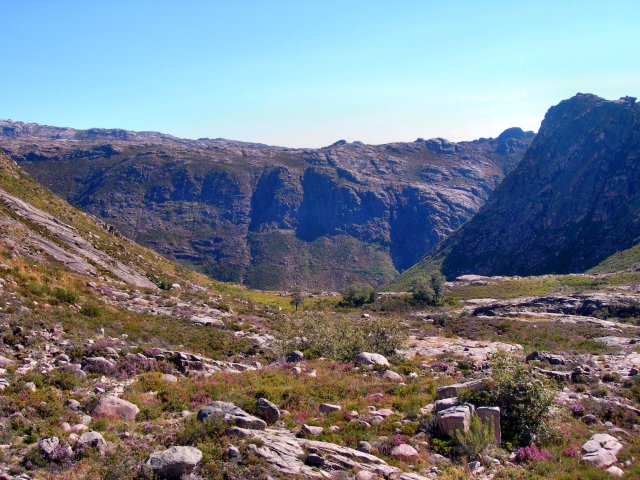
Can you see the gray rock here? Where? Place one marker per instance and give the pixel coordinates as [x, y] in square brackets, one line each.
[364, 447]
[295, 357]
[328, 408]
[455, 418]
[492, 415]
[391, 376]
[311, 430]
[109, 406]
[589, 419]
[450, 391]
[315, 460]
[268, 411]
[233, 451]
[601, 450]
[92, 440]
[365, 358]
[174, 462]
[169, 378]
[229, 412]
[546, 357]
[48, 446]
[73, 404]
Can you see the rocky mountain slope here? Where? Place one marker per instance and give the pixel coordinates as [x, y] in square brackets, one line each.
[571, 203]
[104, 375]
[266, 216]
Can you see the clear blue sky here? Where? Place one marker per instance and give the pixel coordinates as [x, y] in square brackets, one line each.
[308, 73]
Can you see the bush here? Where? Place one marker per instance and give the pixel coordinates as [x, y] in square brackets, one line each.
[358, 294]
[90, 310]
[524, 397]
[64, 296]
[532, 454]
[476, 440]
[340, 338]
[429, 290]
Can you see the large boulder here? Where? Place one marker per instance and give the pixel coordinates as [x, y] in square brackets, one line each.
[295, 357]
[365, 358]
[91, 440]
[450, 391]
[109, 406]
[404, 452]
[601, 450]
[546, 357]
[230, 413]
[391, 376]
[174, 462]
[491, 415]
[267, 410]
[455, 418]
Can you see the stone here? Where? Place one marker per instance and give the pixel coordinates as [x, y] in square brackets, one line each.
[268, 411]
[229, 412]
[391, 376]
[92, 440]
[85, 419]
[31, 386]
[546, 357]
[174, 462]
[295, 357]
[73, 404]
[632, 373]
[556, 375]
[601, 450]
[589, 419]
[365, 358]
[451, 391]
[475, 468]
[109, 406]
[365, 475]
[615, 471]
[333, 428]
[233, 451]
[455, 418]
[446, 403]
[168, 378]
[384, 412]
[329, 408]
[65, 427]
[314, 460]
[492, 415]
[311, 430]
[376, 420]
[364, 447]
[48, 446]
[428, 409]
[79, 427]
[5, 362]
[404, 452]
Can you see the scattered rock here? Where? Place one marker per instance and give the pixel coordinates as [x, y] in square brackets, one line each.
[295, 357]
[451, 391]
[314, 460]
[92, 440]
[229, 412]
[268, 411]
[311, 430]
[364, 447]
[365, 358]
[169, 378]
[391, 376]
[601, 450]
[615, 471]
[546, 357]
[328, 408]
[110, 406]
[174, 462]
[404, 452]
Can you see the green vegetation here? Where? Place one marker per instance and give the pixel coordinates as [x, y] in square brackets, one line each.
[429, 290]
[477, 439]
[357, 294]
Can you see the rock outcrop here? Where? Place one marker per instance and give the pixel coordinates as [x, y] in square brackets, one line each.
[230, 413]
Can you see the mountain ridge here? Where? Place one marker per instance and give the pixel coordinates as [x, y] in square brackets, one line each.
[271, 217]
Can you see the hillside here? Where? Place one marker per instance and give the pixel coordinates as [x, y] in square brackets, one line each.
[270, 217]
[570, 204]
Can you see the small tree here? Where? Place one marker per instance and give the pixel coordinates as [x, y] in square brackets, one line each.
[429, 290]
[297, 296]
[358, 294]
[477, 439]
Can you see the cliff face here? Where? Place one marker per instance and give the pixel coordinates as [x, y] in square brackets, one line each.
[573, 201]
[271, 216]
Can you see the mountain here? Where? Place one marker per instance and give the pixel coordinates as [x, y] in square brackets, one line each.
[270, 217]
[572, 202]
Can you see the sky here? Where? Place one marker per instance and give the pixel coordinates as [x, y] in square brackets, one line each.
[309, 73]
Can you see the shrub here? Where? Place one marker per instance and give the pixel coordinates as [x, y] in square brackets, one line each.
[609, 377]
[440, 366]
[90, 310]
[532, 454]
[340, 338]
[476, 440]
[524, 397]
[577, 409]
[429, 290]
[358, 294]
[297, 297]
[64, 296]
